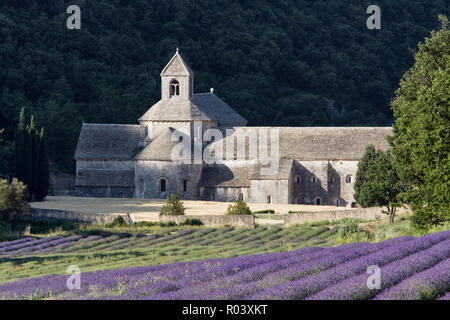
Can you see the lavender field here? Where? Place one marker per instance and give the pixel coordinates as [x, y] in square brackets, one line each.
[411, 268]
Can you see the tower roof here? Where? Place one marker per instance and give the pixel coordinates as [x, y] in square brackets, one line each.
[202, 107]
[161, 148]
[177, 67]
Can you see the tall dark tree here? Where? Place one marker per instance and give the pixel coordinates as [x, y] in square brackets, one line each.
[28, 156]
[19, 141]
[35, 136]
[421, 139]
[377, 182]
[43, 168]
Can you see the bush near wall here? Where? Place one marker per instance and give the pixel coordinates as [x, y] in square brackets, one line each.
[173, 206]
[239, 208]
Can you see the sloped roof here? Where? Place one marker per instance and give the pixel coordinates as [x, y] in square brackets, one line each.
[225, 176]
[177, 67]
[105, 178]
[160, 149]
[331, 143]
[108, 142]
[215, 108]
[175, 109]
[322, 143]
[202, 107]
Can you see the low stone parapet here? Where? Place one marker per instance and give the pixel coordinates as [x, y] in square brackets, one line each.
[216, 220]
[335, 215]
[95, 218]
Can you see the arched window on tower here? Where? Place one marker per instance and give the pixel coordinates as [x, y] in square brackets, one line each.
[174, 88]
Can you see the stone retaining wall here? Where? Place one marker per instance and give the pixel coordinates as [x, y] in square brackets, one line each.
[360, 213]
[96, 218]
[218, 220]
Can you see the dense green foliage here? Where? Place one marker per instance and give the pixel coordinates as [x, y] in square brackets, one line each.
[377, 182]
[173, 206]
[238, 208]
[421, 140]
[7, 166]
[31, 158]
[293, 62]
[12, 200]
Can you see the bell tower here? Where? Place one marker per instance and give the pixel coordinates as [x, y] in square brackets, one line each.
[177, 80]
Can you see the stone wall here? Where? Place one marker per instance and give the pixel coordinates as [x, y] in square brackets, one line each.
[218, 220]
[277, 190]
[96, 218]
[335, 215]
[151, 172]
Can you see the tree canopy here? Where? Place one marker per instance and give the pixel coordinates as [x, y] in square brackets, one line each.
[421, 139]
[377, 182]
[276, 62]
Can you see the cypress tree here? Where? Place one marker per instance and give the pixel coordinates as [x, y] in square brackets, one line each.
[28, 157]
[35, 161]
[43, 168]
[19, 142]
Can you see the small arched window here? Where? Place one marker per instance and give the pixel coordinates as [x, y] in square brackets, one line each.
[313, 179]
[269, 199]
[141, 185]
[317, 201]
[174, 88]
[241, 196]
[162, 185]
[348, 178]
[185, 185]
[297, 179]
[146, 132]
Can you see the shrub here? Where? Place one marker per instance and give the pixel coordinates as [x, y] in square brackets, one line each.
[352, 232]
[12, 200]
[191, 222]
[118, 221]
[239, 208]
[173, 206]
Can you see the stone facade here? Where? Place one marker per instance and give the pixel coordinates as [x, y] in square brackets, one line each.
[316, 165]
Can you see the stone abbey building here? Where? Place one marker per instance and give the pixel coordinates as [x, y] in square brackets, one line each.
[316, 165]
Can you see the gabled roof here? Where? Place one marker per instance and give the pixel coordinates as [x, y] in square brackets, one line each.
[108, 142]
[177, 67]
[175, 110]
[160, 149]
[202, 107]
[214, 107]
[321, 143]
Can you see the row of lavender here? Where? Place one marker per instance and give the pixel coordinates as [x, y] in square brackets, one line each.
[410, 268]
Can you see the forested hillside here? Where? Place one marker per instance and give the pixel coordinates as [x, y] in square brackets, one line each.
[288, 63]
